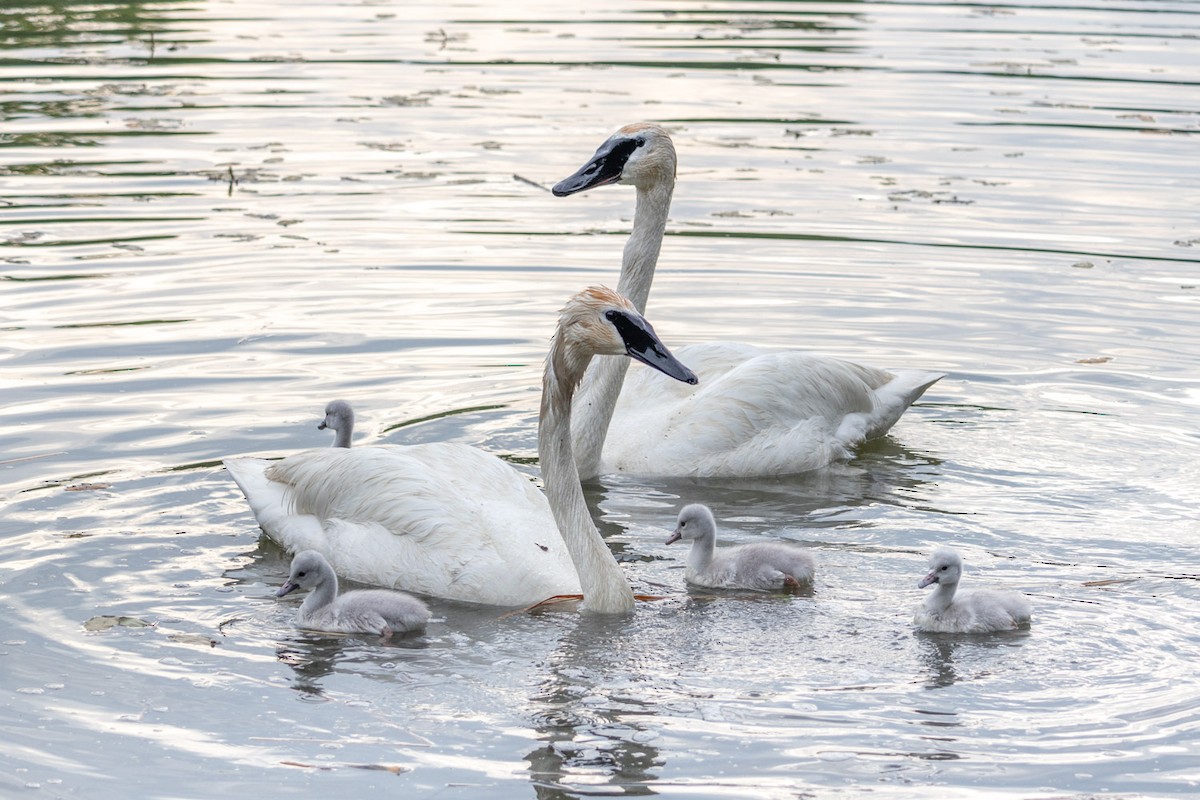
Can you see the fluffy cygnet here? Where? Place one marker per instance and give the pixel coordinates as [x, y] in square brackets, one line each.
[984, 611]
[762, 566]
[339, 418]
[378, 611]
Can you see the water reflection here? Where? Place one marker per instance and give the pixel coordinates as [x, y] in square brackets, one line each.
[939, 653]
[63, 23]
[580, 713]
[313, 657]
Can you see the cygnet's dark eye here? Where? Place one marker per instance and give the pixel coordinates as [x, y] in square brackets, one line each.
[641, 141]
[301, 574]
[683, 524]
[945, 567]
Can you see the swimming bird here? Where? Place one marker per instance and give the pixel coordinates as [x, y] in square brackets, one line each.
[756, 411]
[339, 418]
[449, 520]
[379, 611]
[763, 566]
[984, 611]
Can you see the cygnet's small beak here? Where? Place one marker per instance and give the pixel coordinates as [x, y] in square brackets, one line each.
[928, 579]
[322, 426]
[286, 588]
[675, 537]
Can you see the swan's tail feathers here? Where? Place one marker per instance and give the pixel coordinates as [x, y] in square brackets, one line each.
[271, 502]
[268, 499]
[894, 398]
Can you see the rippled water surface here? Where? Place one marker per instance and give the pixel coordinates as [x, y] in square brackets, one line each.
[216, 216]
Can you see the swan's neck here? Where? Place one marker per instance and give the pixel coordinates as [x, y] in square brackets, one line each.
[645, 242]
[324, 594]
[601, 386]
[342, 439]
[941, 598]
[701, 555]
[605, 589]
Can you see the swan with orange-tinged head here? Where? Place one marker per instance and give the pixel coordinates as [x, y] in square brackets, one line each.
[756, 411]
[452, 521]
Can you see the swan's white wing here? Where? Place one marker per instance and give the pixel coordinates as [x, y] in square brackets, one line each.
[754, 412]
[441, 519]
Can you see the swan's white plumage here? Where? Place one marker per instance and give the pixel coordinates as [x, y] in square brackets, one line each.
[444, 519]
[982, 611]
[378, 611]
[760, 566]
[755, 411]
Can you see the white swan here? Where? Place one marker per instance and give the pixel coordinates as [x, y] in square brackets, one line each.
[448, 520]
[984, 611]
[763, 566]
[339, 418]
[756, 411]
[379, 611]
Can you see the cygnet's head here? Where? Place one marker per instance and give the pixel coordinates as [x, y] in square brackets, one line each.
[600, 321]
[945, 568]
[309, 570]
[694, 522]
[338, 416]
[640, 154]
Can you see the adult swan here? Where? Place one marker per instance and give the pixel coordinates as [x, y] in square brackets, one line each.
[452, 521]
[756, 411]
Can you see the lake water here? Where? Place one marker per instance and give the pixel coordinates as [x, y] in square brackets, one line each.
[216, 216]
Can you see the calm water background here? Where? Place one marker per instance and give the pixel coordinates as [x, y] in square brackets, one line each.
[216, 216]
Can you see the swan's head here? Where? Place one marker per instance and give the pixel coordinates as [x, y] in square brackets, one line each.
[694, 522]
[309, 570]
[641, 154]
[338, 416]
[601, 322]
[945, 568]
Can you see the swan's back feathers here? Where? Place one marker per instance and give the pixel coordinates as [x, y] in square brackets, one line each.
[983, 611]
[367, 611]
[423, 491]
[754, 412]
[441, 519]
[762, 566]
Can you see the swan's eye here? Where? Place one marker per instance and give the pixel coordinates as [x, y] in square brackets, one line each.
[945, 567]
[683, 524]
[641, 141]
[610, 315]
[301, 574]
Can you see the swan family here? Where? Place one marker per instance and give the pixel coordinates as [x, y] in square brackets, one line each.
[451, 521]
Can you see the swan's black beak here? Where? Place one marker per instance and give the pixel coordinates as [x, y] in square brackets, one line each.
[605, 167]
[642, 344]
[322, 426]
[287, 588]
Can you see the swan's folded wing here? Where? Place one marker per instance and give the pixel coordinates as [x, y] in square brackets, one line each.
[441, 519]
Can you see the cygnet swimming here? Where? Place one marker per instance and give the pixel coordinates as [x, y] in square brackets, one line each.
[983, 611]
[763, 566]
[379, 611]
[339, 418]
